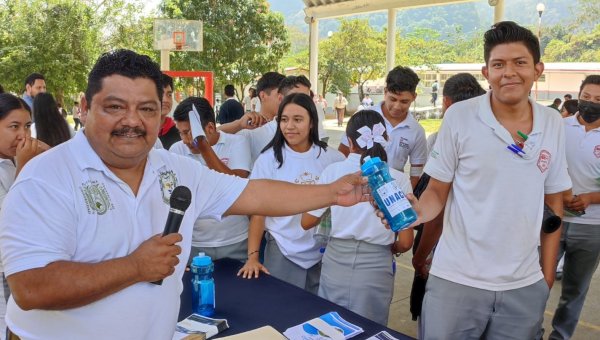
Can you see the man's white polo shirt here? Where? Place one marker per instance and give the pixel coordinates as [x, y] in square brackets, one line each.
[233, 151]
[67, 205]
[406, 139]
[583, 158]
[494, 212]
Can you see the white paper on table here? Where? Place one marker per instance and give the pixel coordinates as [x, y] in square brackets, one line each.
[196, 124]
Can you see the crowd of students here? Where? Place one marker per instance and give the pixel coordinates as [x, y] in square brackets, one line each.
[497, 159]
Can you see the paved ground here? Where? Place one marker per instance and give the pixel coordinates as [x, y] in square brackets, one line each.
[400, 318]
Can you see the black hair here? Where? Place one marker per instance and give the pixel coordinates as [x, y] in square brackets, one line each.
[10, 102]
[166, 81]
[557, 101]
[568, 95]
[268, 82]
[593, 79]
[278, 140]
[124, 63]
[401, 79]
[50, 126]
[1, 89]
[506, 32]
[571, 106]
[30, 80]
[290, 82]
[229, 90]
[253, 92]
[207, 114]
[368, 118]
[462, 86]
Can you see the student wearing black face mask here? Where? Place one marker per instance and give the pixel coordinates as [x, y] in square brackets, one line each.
[581, 234]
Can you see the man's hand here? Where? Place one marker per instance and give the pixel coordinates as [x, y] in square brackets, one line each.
[252, 267]
[252, 120]
[156, 257]
[579, 202]
[413, 202]
[351, 189]
[421, 266]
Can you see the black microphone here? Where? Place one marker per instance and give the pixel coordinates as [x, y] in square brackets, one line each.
[180, 200]
[550, 222]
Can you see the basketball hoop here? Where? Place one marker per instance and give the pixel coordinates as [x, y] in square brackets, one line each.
[179, 40]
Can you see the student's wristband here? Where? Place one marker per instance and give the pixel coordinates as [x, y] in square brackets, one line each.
[252, 253]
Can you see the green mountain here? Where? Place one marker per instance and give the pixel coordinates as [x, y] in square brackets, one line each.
[448, 19]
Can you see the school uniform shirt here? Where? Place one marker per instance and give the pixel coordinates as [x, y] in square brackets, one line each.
[494, 209]
[406, 139]
[8, 172]
[359, 221]
[297, 244]
[234, 152]
[67, 205]
[583, 159]
[259, 138]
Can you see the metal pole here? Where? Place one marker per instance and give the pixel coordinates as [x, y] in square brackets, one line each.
[391, 40]
[314, 54]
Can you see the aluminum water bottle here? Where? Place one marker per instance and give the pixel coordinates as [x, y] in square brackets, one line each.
[203, 285]
[388, 195]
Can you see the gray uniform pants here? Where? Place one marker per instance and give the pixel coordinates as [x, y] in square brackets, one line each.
[581, 244]
[454, 311]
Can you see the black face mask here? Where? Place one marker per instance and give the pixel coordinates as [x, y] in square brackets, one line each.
[589, 111]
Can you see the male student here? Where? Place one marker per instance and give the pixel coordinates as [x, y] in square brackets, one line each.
[406, 135]
[497, 158]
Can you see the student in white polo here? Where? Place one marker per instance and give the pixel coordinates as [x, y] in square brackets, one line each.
[496, 160]
[357, 271]
[222, 152]
[581, 234]
[296, 155]
[407, 136]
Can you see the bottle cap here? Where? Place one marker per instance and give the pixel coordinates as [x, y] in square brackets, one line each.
[371, 165]
[201, 260]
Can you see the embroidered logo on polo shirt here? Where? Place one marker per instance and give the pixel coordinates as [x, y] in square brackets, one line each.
[404, 143]
[168, 182]
[597, 151]
[543, 162]
[96, 197]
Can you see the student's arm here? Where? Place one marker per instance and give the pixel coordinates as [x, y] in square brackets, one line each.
[404, 241]
[213, 161]
[430, 236]
[253, 266]
[308, 221]
[580, 202]
[432, 201]
[250, 120]
[344, 149]
[414, 169]
[550, 242]
[64, 284]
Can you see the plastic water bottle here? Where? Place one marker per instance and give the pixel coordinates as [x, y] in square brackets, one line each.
[388, 195]
[323, 231]
[203, 285]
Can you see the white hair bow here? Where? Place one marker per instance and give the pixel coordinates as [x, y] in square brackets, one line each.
[368, 136]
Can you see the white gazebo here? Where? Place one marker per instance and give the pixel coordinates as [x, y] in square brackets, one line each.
[325, 9]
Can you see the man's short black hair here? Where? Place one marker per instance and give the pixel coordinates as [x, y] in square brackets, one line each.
[571, 105]
[166, 81]
[1, 89]
[506, 32]
[462, 86]
[124, 63]
[593, 79]
[268, 82]
[207, 114]
[568, 96]
[30, 80]
[290, 82]
[229, 90]
[401, 79]
[557, 101]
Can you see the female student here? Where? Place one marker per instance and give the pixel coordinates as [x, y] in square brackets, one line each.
[295, 155]
[16, 148]
[357, 270]
[50, 126]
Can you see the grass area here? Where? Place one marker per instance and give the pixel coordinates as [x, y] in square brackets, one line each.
[430, 125]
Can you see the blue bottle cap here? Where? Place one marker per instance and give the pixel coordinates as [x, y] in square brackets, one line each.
[201, 260]
[370, 165]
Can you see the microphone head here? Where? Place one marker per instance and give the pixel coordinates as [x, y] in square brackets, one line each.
[181, 198]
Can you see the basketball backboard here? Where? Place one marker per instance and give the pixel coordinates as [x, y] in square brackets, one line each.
[177, 35]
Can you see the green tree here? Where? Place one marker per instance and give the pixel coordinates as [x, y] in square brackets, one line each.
[242, 39]
[581, 47]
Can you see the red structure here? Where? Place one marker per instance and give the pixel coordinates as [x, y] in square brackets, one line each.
[207, 76]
